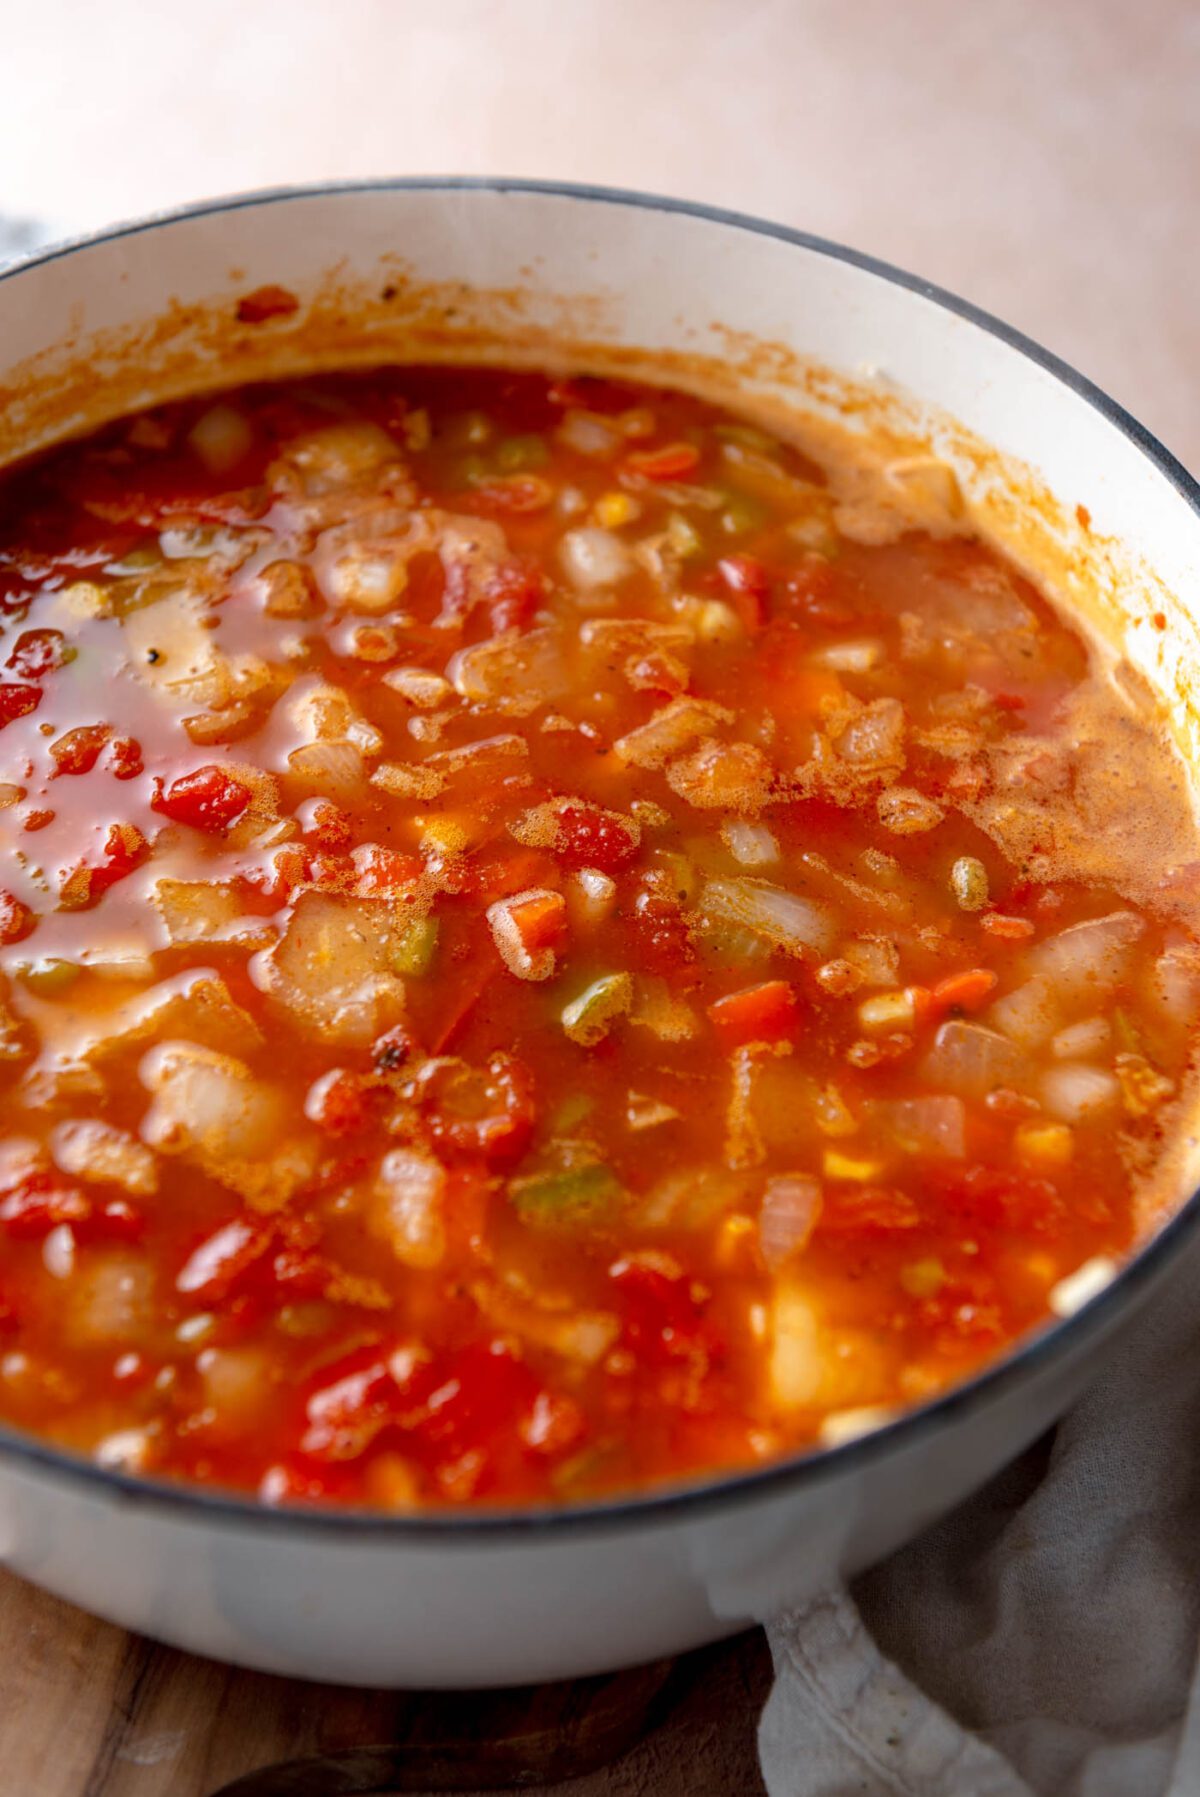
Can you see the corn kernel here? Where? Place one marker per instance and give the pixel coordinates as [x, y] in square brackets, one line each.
[445, 832]
[888, 1010]
[843, 1166]
[735, 1235]
[614, 509]
[922, 1278]
[1044, 1144]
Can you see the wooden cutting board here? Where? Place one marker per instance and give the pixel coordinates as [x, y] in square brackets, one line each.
[88, 1710]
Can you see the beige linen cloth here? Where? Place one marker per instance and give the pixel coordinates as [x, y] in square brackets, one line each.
[1042, 1640]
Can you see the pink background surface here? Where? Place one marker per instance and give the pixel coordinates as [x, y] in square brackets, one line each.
[1042, 157]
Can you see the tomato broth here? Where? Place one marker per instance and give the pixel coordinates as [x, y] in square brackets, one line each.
[543, 950]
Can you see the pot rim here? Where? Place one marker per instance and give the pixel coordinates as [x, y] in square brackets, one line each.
[698, 1497]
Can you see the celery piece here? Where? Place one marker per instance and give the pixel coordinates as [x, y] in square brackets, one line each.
[516, 454]
[741, 514]
[50, 976]
[413, 954]
[588, 1018]
[579, 1195]
[571, 1112]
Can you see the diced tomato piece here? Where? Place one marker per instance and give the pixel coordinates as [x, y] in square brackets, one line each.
[116, 1221]
[662, 1316]
[867, 1210]
[997, 1198]
[338, 1102]
[587, 837]
[660, 939]
[384, 872]
[671, 462]
[355, 1401]
[17, 701]
[540, 920]
[124, 849]
[292, 1482]
[125, 758]
[78, 750]
[208, 798]
[484, 1388]
[554, 1425]
[486, 1114]
[749, 586]
[36, 1204]
[515, 494]
[16, 919]
[962, 991]
[212, 1270]
[269, 301]
[39, 652]
[515, 594]
[766, 1013]
[329, 827]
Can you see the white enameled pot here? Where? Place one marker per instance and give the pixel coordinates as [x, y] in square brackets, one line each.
[405, 269]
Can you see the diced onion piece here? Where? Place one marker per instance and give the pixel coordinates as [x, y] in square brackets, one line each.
[588, 435]
[790, 922]
[514, 673]
[1029, 1015]
[932, 1126]
[1078, 1093]
[207, 911]
[642, 1112]
[1090, 958]
[335, 770]
[795, 1366]
[861, 655]
[408, 780]
[790, 1208]
[237, 1387]
[588, 1018]
[906, 812]
[368, 578]
[1081, 1286]
[418, 687]
[584, 1336]
[591, 896]
[876, 959]
[1175, 984]
[111, 1301]
[657, 1009]
[971, 1060]
[722, 776]
[410, 1207]
[592, 558]
[841, 1426]
[888, 1010]
[1081, 1040]
[221, 437]
[332, 968]
[751, 845]
[125, 1451]
[526, 929]
[671, 730]
[100, 1152]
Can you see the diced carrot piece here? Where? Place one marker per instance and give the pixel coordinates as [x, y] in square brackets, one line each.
[1012, 929]
[765, 1013]
[539, 919]
[962, 991]
[671, 462]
